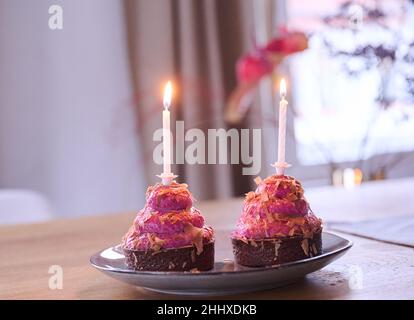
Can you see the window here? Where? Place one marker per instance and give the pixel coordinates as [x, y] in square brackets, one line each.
[354, 86]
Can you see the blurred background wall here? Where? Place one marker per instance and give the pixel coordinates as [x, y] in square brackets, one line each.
[67, 125]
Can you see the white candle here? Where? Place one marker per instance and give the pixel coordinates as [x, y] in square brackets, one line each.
[167, 175]
[166, 140]
[281, 163]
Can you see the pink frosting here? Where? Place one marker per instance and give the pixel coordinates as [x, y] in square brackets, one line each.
[174, 197]
[168, 220]
[277, 208]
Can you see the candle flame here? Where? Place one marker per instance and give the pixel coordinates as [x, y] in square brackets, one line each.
[167, 95]
[283, 88]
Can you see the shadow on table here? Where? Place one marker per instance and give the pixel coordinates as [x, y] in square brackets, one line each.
[323, 284]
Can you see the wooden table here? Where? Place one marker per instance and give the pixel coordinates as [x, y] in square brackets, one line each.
[27, 252]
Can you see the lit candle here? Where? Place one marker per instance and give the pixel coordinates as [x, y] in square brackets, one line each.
[167, 176]
[166, 128]
[281, 164]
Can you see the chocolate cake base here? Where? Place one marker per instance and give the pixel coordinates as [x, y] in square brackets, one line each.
[180, 259]
[272, 251]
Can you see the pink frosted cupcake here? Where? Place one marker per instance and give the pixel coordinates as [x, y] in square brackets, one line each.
[276, 225]
[169, 234]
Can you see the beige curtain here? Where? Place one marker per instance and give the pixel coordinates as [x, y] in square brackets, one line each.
[197, 44]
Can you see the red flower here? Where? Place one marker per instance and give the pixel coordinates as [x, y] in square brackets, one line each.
[252, 67]
[287, 44]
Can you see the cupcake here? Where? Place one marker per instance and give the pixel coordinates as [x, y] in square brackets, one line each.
[169, 234]
[276, 225]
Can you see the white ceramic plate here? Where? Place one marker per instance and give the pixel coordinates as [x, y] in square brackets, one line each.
[226, 277]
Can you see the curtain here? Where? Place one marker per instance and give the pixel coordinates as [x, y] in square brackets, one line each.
[197, 44]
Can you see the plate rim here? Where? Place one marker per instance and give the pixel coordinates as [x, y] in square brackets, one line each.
[227, 273]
